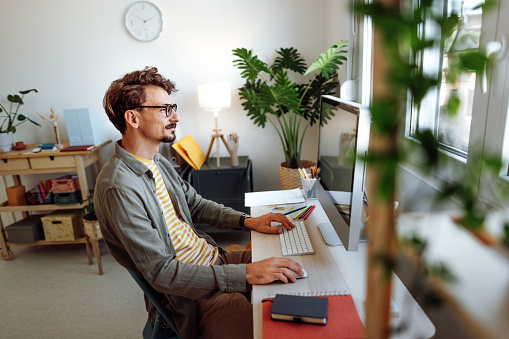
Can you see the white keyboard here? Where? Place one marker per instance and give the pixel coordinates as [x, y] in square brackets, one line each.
[295, 241]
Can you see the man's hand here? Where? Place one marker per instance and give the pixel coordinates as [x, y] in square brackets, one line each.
[272, 269]
[262, 224]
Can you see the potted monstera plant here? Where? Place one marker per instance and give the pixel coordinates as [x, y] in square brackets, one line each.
[11, 118]
[269, 96]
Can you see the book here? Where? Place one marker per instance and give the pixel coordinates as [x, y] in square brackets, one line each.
[39, 194]
[77, 148]
[296, 308]
[42, 189]
[343, 321]
[189, 149]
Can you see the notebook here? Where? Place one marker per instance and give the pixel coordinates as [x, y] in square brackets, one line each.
[189, 149]
[296, 308]
[343, 322]
[77, 148]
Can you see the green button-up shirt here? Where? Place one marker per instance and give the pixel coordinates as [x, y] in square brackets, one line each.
[134, 229]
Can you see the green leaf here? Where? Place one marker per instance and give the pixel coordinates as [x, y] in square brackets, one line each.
[252, 104]
[21, 117]
[474, 61]
[429, 144]
[33, 122]
[311, 99]
[250, 65]
[284, 93]
[28, 91]
[449, 24]
[453, 105]
[15, 99]
[487, 5]
[289, 58]
[329, 61]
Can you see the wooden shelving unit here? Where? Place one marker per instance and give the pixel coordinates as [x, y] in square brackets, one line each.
[16, 163]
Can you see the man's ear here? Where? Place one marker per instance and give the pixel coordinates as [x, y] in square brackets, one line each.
[131, 118]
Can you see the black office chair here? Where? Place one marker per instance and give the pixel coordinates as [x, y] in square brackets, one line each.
[159, 330]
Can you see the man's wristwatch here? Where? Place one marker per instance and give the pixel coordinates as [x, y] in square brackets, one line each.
[243, 218]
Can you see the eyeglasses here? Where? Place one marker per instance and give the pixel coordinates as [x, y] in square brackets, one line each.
[168, 108]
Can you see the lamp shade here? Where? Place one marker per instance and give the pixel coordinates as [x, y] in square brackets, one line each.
[214, 96]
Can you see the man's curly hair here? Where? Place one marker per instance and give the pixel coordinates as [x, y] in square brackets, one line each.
[128, 93]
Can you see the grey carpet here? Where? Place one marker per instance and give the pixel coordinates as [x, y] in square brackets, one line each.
[52, 292]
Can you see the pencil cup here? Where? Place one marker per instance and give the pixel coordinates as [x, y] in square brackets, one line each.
[309, 187]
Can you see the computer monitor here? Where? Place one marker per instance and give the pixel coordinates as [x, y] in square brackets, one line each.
[343, 143]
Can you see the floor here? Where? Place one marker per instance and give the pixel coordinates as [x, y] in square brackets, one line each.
[52, 292]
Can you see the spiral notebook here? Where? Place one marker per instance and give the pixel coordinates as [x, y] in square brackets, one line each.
[343, 321]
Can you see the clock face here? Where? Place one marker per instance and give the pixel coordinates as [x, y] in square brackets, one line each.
[144, 21]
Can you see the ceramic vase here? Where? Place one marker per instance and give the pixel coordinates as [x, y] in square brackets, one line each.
[6, 141]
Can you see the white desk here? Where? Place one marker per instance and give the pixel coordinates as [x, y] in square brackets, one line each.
[332, 269]
[480, 294]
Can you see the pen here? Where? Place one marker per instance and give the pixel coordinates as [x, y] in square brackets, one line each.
[298, 209]
[301, 213]
[306, 215]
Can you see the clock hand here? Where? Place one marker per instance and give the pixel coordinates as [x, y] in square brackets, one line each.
[141, 19]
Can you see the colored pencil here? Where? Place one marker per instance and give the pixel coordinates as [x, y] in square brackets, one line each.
[304, 217]
[301, 213]
[295, 210]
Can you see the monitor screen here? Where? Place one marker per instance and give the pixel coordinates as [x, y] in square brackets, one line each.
[343, 136]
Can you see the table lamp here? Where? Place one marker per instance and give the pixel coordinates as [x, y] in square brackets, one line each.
[213, 97]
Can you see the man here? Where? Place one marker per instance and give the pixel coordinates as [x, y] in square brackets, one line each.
[147, 215]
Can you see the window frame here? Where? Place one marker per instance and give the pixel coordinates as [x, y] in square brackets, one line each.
[489, 114]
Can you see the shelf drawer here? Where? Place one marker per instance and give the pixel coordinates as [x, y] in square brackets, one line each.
[52, 162]
[14, 164]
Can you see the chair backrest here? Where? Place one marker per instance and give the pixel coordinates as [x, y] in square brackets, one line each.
[151, 293]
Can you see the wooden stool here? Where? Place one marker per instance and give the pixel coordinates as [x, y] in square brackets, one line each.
[92, 236]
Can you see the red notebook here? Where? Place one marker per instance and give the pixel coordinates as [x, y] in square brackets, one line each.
[77, 148]
[343, 322]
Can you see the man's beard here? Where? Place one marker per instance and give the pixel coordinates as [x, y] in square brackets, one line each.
[170, 138]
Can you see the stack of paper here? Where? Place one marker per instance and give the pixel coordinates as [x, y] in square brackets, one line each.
[189, 149]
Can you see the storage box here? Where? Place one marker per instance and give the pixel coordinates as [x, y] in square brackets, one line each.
[85, 127]
[67, 198]
[16, 195]
[65, 184]
[63, 225]
[27, 230]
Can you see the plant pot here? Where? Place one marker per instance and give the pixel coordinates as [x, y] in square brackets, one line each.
[92, 229]
[6, 141]
[290, 177]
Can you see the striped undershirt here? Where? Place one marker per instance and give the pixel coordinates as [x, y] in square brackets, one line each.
[190, 248]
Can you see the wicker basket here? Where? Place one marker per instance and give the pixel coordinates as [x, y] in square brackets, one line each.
[290, 177]
[92, 229]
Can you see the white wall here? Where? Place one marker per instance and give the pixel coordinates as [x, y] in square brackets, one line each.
[72, 50]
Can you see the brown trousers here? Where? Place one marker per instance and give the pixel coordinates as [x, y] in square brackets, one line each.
[229, 315]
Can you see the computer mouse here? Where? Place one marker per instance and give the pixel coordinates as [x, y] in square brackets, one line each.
[304, 275]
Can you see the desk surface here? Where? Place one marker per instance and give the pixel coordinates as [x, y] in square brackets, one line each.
[332, 269]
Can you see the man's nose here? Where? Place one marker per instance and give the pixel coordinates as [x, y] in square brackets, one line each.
[174, 116]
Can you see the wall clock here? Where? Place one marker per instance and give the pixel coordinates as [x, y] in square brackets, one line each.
[144, 21]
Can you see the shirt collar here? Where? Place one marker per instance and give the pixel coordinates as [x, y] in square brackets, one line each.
[134, 164]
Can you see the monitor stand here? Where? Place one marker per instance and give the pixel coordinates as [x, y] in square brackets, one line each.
[329, 234]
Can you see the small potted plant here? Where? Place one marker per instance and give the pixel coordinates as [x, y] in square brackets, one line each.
[90, 222]
[11, 118]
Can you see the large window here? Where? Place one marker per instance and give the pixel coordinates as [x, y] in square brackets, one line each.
[451, 124]
[480, 121]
